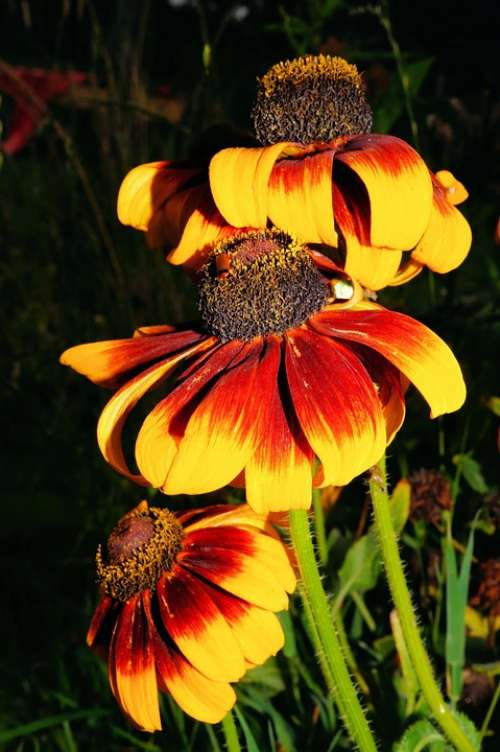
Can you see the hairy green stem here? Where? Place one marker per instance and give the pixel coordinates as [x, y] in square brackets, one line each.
[402, 600]
[319, 526]
[230, 733]
[337, 676]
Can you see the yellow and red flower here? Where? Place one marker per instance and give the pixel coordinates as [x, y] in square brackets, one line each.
[278, 376]
[369, 195]
[188, 602]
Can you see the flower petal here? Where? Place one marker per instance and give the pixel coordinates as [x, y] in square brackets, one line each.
[116, 411]
[278, 472]
[447, 239]
[233, 567]
[111, 362]
[336, 404]
[398, 185]
[300, 197]
[201, 698]
[267, 550]
[370, 266]
[218, 438]
[132, 666]
[239, 178]
[163, 429]
[259, 632]
[197, 627]
[147, 187]
[104, 607]
[414, 349]
[201, 226]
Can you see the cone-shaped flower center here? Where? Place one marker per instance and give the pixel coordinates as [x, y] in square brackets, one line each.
[142, 546]
[257, 284]
[312, 98]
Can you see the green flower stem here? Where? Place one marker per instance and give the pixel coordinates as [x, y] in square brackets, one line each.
[337, 674]
[230, 733]
[319, 526]
[401, 597]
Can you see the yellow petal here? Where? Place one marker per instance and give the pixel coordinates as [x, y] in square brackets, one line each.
[398, 188]
[146, 188]
[300, 197]
[239, 182]
[447, 238]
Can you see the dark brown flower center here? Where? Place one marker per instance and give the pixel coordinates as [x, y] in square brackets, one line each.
[143, 545]
[312, 98]
[257, 284]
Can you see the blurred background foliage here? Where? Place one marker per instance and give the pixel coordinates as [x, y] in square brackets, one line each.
[157, 74]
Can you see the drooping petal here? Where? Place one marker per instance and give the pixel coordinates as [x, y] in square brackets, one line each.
[336, 404]
[132, 666]
[202, 225]
[370, 266]
[198, 628]
[147, 187]
[398, 187]
[300, 197]
[269, 551]
[391, 386]
[239, 180]
[447, 238]
[258, 632]
[233, 567]
[456, 192]
[413, 348]
[116, 411]
[219, 435]
[111, 362]
[105, 606]
[278, 472]
[202, 698]
[163, 429]
[406, 273]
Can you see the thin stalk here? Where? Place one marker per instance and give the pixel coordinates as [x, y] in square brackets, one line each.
[230, 733]
[402, 600]
[317, 605]
[385, 20]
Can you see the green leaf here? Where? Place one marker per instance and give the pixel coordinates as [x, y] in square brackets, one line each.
[251, 744]
[391, 105]
[457, 588]
[44, 723]
[422, 736]
[361, 567]
[471, 470]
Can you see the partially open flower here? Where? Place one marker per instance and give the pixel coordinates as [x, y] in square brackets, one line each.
[290, 365]
[319, 175]
[187, 606]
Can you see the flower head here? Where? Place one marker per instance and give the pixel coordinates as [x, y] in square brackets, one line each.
[268, 384]
[187, 606]
[320, 176]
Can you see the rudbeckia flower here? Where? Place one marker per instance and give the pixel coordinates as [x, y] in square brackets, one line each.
[318, 175]
[187, 606]
[286, 368]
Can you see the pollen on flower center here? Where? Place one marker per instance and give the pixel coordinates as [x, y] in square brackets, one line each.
[312, 98]
[257, 284]
[142, 546]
